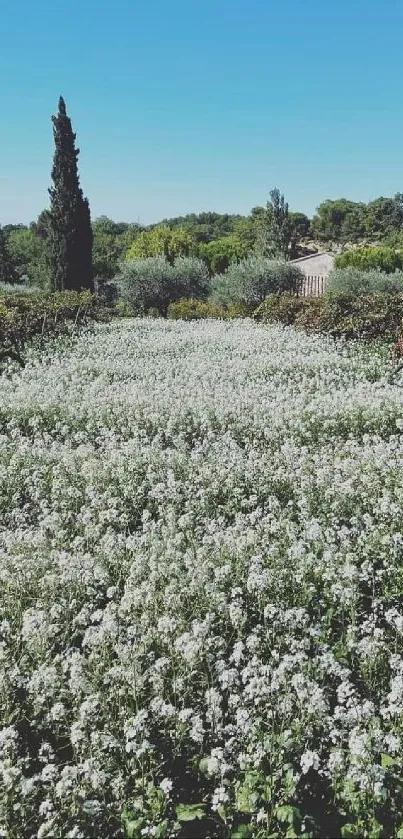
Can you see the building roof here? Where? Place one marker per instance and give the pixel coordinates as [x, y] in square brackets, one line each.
[313, 255]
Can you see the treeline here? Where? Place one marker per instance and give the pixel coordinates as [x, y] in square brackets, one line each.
[217, 238]
[64, 250]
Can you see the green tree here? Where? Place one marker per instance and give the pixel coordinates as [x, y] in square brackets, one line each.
[219, 253]
[300, 225]
[382, 259]
[162, 241]
[111, 242]
[8, 273]
[71, 235]
[204, 227]
[383, 217]
[29, 254]
[339, 221]
[275, 229]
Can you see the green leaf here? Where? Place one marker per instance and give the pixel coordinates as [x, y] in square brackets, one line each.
[387, 760]
[161, 830]
[399, 834]
[243, 831]
[190, 812]
[349, 830]
[133, 827]
[288, 814]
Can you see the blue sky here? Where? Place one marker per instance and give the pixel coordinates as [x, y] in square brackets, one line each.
[184, 106]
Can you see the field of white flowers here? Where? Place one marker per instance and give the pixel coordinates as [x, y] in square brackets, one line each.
[201, 608]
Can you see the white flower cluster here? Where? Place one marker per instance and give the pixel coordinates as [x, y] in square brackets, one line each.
[201, 540]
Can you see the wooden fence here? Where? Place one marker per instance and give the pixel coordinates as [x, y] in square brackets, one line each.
[314, 285]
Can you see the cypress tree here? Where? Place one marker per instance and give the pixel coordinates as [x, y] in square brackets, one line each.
[71, 238]
[8, 273]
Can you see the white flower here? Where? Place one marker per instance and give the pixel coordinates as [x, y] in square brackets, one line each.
[166, 786]
[309, 760]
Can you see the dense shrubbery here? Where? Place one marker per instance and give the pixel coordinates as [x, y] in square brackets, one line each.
[154, 283]
[252, 280]
[367, 259]
[192, 309]
[367, 316]
[22, 315]
[354, 282]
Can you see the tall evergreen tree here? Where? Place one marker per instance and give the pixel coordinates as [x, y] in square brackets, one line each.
[8, 273]
[275, 228]
[71, 237]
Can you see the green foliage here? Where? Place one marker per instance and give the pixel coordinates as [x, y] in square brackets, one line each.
[111, 242]
[205, 227]
[366, 258]
[367, 317]
[29, 254]
[162, 241]
[220, 253]
[191, 309]
[124, 309]
[351, 221]
[250, 281]
[275, 230]
[8, 273]
[354, 282]
[71, 238]
[339, 221]
[384, 216]
[23, 316]
[300, 226]
[154, 283]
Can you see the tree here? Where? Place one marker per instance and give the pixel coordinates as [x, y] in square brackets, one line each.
[382, 259]
[154, 283]
[111, 242]
[339, 221]
[8, 273]
[162, 241]
[275, 228]
[71, 235]
[219, 253]
[383, 217]
[204, 227]
[29, 255]
[301, 226]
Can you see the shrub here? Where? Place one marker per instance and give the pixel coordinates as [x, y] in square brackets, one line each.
[190, 278]
[383, 259]
[220, 253]
[280, 309]
[353, 282]
[367, 317]
[154, 283]
[252, 280]
[23, 316]
[124, 309]
[194, 310]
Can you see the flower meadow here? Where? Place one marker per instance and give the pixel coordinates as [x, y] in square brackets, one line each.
[201, 586]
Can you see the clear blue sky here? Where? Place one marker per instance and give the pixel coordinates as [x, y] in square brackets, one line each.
[181, 106]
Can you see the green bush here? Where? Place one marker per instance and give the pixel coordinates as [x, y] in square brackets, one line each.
[192, 309]
[124, 309]
[280, 309]
[353, 282]
[383, 259]
[23, 316]
[250, 281]
[154, 283]
[365, 317]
